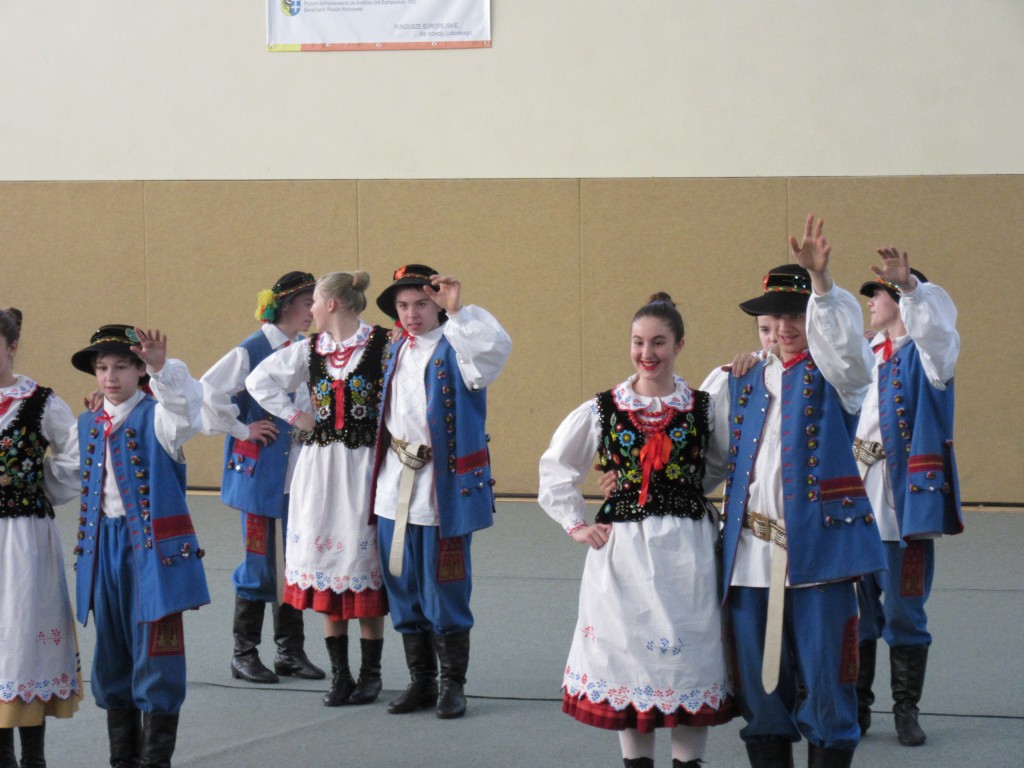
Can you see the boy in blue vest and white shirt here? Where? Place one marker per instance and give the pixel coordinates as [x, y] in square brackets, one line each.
[432, 478]
[797, 526]
[138, 560]
[904, 445]
[258, 463]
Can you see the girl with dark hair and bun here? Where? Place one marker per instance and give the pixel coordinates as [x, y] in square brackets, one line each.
[39, 673]
[331, 562]
[647, 652]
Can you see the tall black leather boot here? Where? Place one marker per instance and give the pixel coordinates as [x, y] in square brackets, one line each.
[342, 683]
[33, 750]
[368, 688]
[865, 678]
[290, 637]
[820, 757]
[453, 653]
[159, 734]
[422, 663]
[770, 752]
[638, 762]
[248, 629]
[124, 729]
[7, 757]
[908, 664]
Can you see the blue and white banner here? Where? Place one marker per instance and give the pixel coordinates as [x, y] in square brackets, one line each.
[375, 25]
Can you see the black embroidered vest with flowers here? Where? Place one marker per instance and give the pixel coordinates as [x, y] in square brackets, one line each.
[676, 489]
[22, 450]
[358, 393]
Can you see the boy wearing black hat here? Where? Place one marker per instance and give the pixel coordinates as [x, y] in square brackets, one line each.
[431, 482]
[258, 461]
[138, 560]
[798, 527]
[904, 446]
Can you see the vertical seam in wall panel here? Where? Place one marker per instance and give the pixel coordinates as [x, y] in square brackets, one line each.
[145, 255]
[579, 263]
[359, 220]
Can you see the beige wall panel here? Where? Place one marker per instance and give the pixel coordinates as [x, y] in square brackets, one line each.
[966, 234]
[515, 246]
[212, 246]
[73, 259]
[708, 243]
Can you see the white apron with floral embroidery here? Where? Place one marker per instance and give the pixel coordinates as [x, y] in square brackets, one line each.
[331, 544]
[38, 657]
[649, 631]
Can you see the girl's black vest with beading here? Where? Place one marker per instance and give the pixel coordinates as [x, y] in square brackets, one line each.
[677, 488]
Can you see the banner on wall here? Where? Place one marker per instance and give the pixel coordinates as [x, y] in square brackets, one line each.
[377, 25]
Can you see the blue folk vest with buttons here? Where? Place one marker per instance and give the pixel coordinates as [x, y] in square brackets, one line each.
[22, 455]
[456, 418]
[830, 529]
[166, 564]
[254, 474]
[917, 437]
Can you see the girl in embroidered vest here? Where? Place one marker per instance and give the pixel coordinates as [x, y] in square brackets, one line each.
[331, 561]
[647, 652]
[39, 672]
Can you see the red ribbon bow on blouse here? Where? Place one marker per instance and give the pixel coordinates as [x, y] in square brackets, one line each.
[886, 347]
[105, 419]
[653, 456]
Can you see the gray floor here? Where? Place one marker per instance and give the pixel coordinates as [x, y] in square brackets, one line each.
[526, 583]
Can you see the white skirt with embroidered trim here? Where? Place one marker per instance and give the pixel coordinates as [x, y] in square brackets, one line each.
[39, 659]
[649, 631]
[331, 544]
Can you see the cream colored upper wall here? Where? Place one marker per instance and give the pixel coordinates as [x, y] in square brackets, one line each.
[576, 88]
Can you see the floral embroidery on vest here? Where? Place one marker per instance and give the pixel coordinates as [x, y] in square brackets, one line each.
[358, 395]
[22, 450]
[676, 487]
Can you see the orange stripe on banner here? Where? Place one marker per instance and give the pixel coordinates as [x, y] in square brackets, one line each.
[925, 462]
[320, 47]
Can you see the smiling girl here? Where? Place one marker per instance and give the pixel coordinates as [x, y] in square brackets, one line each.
[647, 652]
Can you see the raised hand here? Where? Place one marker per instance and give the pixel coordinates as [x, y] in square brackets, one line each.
[448, 295]
[151, 348]
[812, 253]
[895, 269]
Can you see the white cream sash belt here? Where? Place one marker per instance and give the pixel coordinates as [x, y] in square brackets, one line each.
[773, 531]
[413, 457]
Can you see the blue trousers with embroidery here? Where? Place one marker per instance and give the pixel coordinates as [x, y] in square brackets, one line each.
[819, 646]
[256, 576]
[892, 602]
[432, 594]
[135, 665]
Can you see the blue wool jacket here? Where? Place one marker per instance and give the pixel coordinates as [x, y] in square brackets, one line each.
[456, 417]
[254, 474]
[166, 556]
[917, 437]
[830, 528]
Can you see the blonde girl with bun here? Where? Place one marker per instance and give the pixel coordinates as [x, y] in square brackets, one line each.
[331, 561]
